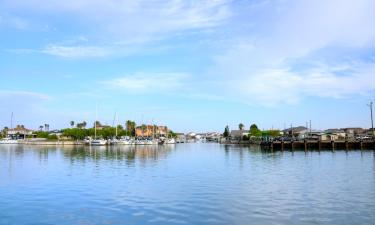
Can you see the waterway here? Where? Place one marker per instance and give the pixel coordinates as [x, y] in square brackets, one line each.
[184, 184]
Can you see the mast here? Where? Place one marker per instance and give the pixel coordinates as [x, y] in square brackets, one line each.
[11, 121]
[116, 122]
[96, 118]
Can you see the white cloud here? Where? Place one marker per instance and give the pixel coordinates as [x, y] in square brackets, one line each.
[137, 18]
[149, 82]
[77, 51]
[263, 67]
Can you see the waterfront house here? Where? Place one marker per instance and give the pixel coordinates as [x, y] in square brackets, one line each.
[238, 134]
[19, 132]
[353, 132]
[151, 131]
[299, 132]
[333, 135]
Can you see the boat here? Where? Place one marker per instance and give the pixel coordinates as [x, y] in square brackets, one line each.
[8, 140]
[170, 141]
[98, 142]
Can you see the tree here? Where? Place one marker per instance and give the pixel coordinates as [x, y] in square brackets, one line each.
[46, 127]
[130, 127]
[97, 124]
[254, 131]
[41, 127]
[241, 126]
[72, 123]
[226, 132]
[84, 124]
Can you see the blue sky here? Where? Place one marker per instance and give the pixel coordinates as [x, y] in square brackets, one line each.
[191, 65]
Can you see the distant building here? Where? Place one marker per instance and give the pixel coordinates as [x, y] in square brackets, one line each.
[333, 135]
[238, 134]
[354, 132]
[19, 131]
[151, 130]
[297, 132]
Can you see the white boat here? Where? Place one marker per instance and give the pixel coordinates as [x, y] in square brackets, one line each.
[170, 141]
[151, 142]
[8, 141]
[121, 141]
[98, 142]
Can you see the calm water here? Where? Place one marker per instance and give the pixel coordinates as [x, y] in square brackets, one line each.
[184, 184]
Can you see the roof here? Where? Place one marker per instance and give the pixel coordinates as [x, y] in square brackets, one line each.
[296, 129]
[334, 130]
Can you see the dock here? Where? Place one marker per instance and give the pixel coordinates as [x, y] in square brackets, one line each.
[309, 145]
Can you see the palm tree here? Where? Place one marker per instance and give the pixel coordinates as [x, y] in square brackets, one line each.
[41, 128]
[84, 124]
[72, 123]
[241, 126]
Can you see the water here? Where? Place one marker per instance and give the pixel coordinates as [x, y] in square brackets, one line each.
[184, 184]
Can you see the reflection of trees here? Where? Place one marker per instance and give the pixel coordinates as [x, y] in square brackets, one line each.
[129, 154]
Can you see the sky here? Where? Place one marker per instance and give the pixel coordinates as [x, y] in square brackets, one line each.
[193, 65]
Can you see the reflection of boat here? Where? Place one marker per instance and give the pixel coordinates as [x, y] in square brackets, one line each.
[8, 141]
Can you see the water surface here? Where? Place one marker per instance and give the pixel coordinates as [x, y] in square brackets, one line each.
[184, 184]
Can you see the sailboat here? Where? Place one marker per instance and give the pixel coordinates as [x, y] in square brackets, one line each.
[96, 141]
[9, 140]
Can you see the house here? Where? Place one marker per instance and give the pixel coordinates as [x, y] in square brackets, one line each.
[238, 134]
[19, 131]
[333, 135]
[297, 132]
[151, 130]
[353, 132]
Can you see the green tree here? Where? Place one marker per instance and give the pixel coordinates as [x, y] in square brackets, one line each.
[72, 123]
[130, 127]
[241, 126]
[254, 131]
[226, 132]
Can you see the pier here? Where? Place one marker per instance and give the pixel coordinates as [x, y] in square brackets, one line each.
[308, 145]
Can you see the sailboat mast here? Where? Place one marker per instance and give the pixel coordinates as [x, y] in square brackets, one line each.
[11, 121]
[116, 118]
[96, 118]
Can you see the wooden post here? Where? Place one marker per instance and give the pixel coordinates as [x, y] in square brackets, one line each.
[361, 144]
[346, 145]
[292, 145]
[319, 145]
[305, 145]
[272, 146]
[282, 146]
[333, 145]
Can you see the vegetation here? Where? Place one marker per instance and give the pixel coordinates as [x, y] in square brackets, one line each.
[172, 134]
[254, 131]
[241, 126]
[226, 132]
[41, 134]
[130, 127]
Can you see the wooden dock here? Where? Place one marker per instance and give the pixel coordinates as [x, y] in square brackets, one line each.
[318, 145]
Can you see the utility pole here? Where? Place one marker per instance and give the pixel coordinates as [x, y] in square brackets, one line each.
[372, 121]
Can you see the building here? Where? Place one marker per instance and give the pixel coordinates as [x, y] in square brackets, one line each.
[19, 132]
[238, 134]
[151, 131]
[353, 132]
[297, 132]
